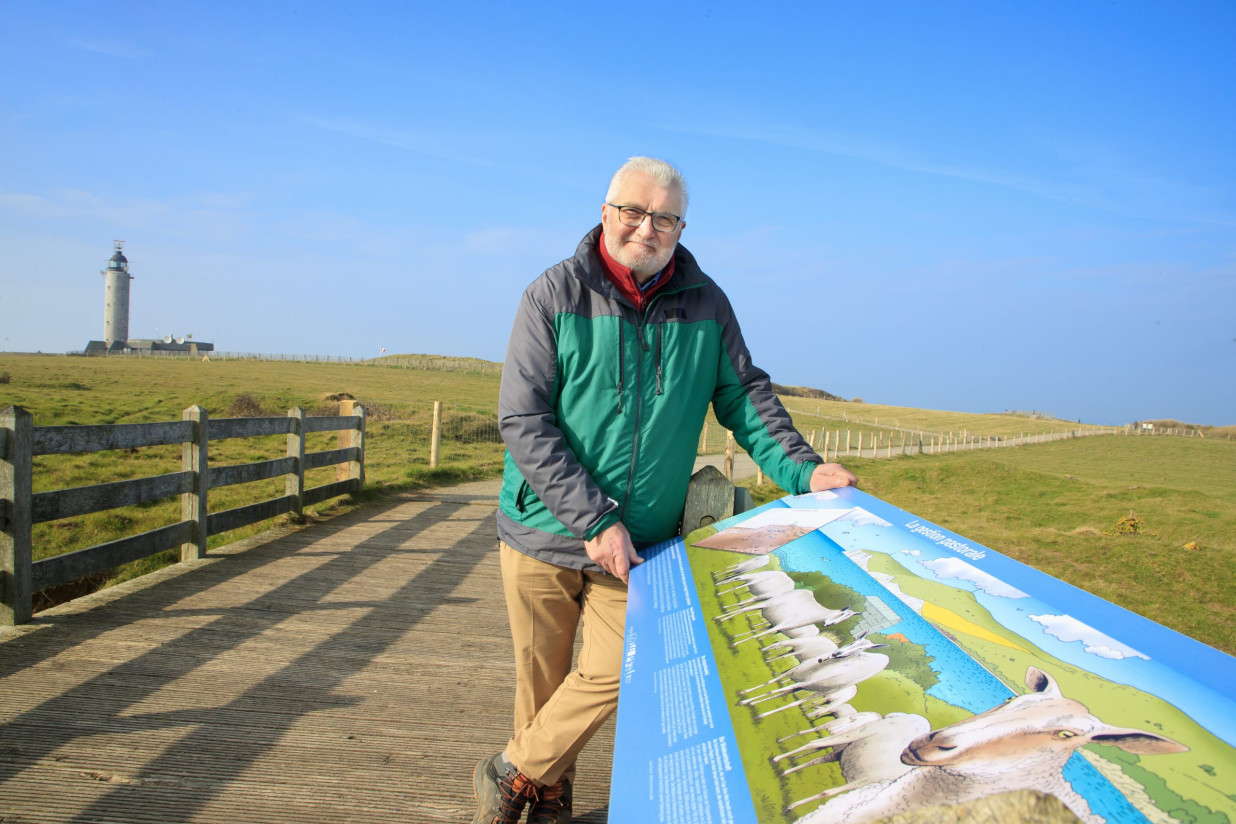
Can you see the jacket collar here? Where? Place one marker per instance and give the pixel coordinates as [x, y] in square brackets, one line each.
[590, 271]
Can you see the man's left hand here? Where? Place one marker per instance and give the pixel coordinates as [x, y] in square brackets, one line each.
[831, 476]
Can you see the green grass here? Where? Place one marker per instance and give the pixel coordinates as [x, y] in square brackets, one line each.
[1047, 505]
[1056, 507]
[59, 390]
[810, 413]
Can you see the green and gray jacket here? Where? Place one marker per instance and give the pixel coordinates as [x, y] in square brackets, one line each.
[601, 407]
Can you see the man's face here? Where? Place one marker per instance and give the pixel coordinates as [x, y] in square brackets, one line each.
[642, 249]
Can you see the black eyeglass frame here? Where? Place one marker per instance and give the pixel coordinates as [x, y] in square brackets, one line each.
[645, 214]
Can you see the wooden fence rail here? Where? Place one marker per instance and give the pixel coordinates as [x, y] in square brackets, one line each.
[20, 507]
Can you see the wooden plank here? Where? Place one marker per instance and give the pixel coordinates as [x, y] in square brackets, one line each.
[224, 428]
[321, 493]
[230, 519]
[60, 569]
[330, 423]
[72, 440]
[245, 473]
[331, 457]
[81, 500]
[311, 677]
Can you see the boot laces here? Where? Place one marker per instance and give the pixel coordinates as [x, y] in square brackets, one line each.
[516, 791]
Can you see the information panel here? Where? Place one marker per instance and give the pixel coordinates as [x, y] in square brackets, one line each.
[831, 658]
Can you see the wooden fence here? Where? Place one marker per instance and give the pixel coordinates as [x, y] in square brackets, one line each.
[20, 507]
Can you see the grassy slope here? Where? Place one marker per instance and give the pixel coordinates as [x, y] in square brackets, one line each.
[1045, 505]
[66, 390]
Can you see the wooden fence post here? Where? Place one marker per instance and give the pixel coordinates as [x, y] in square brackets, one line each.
[194, 457]
[435, 435]
[295, 482]
[16, 495]
[344, 439]
[703, 450]
[729, 456]
[356, 468]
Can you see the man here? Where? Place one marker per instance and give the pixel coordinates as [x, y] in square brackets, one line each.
[614, 358]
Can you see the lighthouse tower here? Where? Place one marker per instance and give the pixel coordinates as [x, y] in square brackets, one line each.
[116, 299]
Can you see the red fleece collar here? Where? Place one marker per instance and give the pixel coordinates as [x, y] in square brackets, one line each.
[625, 282]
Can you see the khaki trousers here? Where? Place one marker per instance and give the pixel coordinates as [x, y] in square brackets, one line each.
[557, 710]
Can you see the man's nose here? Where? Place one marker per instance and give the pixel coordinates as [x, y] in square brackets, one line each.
[645, 228]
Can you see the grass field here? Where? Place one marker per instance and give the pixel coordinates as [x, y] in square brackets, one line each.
[1049, 505]
[60, 390]
[1064, 508]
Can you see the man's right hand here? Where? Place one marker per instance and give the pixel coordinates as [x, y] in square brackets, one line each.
[613, 551]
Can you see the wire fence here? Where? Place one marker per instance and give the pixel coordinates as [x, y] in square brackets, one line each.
[434, 363]
[470, 434]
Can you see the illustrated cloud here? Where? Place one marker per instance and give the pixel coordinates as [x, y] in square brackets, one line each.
[861, 517]
[1069, 629]
[957, 568]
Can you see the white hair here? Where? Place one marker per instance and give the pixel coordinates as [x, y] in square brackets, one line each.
[660, 171]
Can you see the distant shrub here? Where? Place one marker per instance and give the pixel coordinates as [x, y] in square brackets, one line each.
[805, 392]
[381, 412]
[246, 406]
[323, 411]
[1128, 525]
[5, 377]
[469, 427]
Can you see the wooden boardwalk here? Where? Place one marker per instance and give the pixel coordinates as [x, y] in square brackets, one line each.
[352, 671]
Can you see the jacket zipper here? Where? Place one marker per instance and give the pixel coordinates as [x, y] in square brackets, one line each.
[622, 369]
[660, 326]
[639, 405]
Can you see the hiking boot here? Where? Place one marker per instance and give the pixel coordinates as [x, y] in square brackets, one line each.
[501, 791]
[554, 805]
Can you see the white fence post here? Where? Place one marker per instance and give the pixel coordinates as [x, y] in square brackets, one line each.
[435, 435]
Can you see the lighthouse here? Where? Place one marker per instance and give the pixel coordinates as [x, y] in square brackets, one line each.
[116, 338]
[116, 299]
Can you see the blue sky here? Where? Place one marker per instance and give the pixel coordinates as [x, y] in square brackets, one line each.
[970, 206]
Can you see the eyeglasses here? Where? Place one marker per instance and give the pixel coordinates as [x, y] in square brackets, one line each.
[634, 216]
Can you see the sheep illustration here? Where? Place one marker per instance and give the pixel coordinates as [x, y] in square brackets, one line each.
[1021, 744]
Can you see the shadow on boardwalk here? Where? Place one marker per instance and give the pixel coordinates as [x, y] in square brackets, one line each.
[353, 671]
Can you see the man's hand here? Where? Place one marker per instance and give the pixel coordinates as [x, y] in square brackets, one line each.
[613, 551]
[831, 476]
